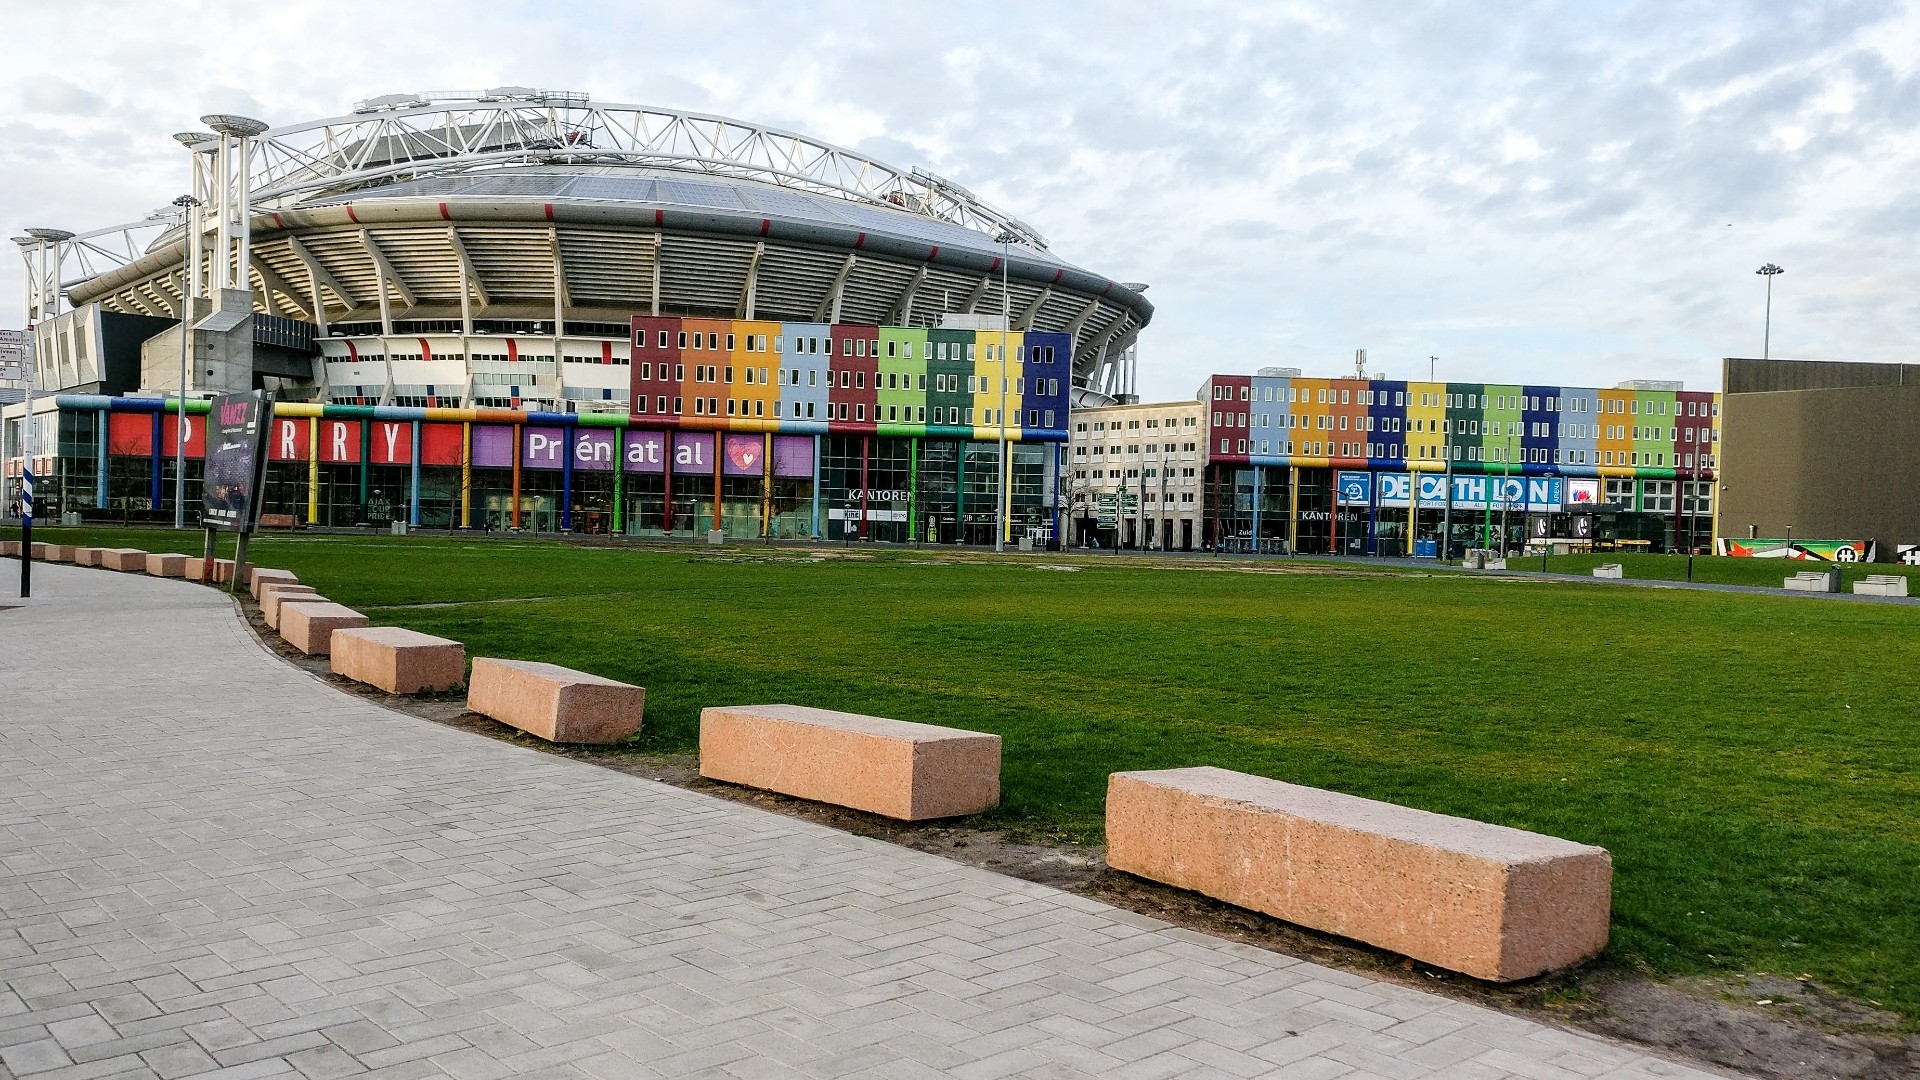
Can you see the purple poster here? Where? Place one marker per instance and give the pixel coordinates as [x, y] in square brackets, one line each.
[746, 455]
[492, 446]
[646, 451]
[793, 455]
[545, 445]
[692, 452]
[593, 449]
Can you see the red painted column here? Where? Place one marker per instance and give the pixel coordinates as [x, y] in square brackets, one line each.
[863, 487]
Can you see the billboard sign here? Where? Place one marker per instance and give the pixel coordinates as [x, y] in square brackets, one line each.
[1844, 551]
[235, 426]
[1583, 493]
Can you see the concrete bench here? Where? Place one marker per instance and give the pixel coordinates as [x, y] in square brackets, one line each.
[222, 570]
[398, 660]
[1610, 570]
[278, 521]
[168, 564]
[11, 548]
[557, 704]
[259, 576]
[272, 600]
[1492, 902]
[87, 556]
[125, 560]
[1808, 581]
[890, 767]
[62, 553]
[310, 627]
[1881, 585]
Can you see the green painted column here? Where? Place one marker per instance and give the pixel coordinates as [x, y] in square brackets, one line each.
[913, 488]
[619, 480]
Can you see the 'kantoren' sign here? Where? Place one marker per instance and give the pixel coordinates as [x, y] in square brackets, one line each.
[234, 450]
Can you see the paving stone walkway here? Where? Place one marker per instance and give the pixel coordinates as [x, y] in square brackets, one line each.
[214, 864]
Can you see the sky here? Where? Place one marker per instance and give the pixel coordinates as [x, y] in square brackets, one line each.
[1572, 193]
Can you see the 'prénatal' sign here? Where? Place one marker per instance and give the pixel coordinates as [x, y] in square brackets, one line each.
[234, 446]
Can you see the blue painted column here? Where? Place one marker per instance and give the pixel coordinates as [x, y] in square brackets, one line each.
[157, 487]
[100, 453]
[816, 487]
[413, 481]
[1059, 467]
[1256, 509]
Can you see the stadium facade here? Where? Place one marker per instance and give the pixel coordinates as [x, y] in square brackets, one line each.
[465, 265]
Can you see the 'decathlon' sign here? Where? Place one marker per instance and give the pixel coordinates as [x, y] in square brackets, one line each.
[234, 466]
[1537, 493]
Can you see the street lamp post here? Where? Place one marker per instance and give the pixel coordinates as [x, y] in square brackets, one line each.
[189, 207]
[1769, 272]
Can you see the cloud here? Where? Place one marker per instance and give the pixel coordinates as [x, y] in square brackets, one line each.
[1537, 193]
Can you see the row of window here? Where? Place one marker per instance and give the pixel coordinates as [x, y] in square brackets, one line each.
[806, 410]
[856, 380]
[1134, 425]
[941, 350]
[1133, 449]
[1510, 428]
[1530, 403]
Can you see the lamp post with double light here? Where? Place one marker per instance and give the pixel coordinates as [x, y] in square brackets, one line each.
[1769, 272]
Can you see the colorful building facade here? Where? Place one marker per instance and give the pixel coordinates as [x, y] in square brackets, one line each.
[753, 428]
[1383, 466]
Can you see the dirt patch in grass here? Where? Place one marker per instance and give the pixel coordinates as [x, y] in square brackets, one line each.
[1778, 1026]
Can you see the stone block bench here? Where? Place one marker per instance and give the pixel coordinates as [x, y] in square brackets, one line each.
[398, 660]
[87, 556]
[1881, 585]
[557, 704]
[62, 553]
[125, 560]
[1807, 581]
[259, 577]
[1610, 570]
[275, 599]
[890, 767]
[310, 627]
[1495, 903]
[222, 570]
[11, 549]
[167, 564]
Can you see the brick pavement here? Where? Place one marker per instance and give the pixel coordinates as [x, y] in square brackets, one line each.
[213, 864]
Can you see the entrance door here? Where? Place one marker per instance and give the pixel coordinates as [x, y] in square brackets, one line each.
[1186, 534]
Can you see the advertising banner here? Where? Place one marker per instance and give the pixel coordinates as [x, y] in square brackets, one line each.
[745, 455]
[793, 456]
[289, 440]
[232, 488]
[543, 447]
[196, 435]
[492, 446]
[442, 444]
[692, 452]
[392, 442]
[130, 434]
[646, 451]
[593, 449]
[1355, 488]
[1583, 493]
[1845, 551]
[340, 442]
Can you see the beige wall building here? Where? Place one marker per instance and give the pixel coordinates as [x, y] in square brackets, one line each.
[1155, 453]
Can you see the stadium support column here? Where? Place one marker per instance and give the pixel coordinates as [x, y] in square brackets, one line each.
[816, 487]
[313, 470]
[158, 487]
[1293, 509]
[566, 479]
[366, 466]
[666, 484]
[466, 474]
[413, 481]
[960, 492]
[100, 460]
[719, 477]
[766, 484]
[518, 440]
[1256, 509]
[619, 480]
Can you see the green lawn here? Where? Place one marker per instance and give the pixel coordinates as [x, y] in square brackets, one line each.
[1751, 761]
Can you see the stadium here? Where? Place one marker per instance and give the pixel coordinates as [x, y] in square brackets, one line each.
[824, 344]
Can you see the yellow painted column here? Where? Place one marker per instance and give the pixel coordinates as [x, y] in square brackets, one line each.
[313, 470]
[1293, 509]
[466, 474]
